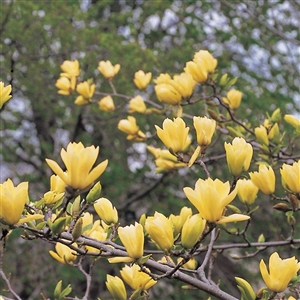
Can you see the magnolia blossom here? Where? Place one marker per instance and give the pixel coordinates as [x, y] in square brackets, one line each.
[247, 191]
[159, 227]
[238, 155]
[197, 69]
[79, 161]
[70, 69]
[141, 80]
[137, 104]
[205, 129]
[4, 93]
[106, 211]
[207, 59]
[233, 99]
[290, 175]
[210, 197]
[12, 201]
[116, 287]
[174, 134]
[264, 179]
[137, 279]
[280, 272]
[108, 70]
[132, 237]
[106, 104]
[192, 230]
[130, 127]
[63, 254]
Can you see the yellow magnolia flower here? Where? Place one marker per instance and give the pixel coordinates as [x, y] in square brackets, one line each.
[57, 189]
[106, 211]
[290, 176]
[262, 135]
[160, 230]
[64, 254]
[205, 129]
[4, 93]
[179, 220]
[79, 161]
[108, 70]
[70, 69]
[197, 69]
[166, 92]
[174, 134]
[65, 85]
[165, 161]
[247, 191]
[264, 179]
[141, 80]
[238, 155]
[86, 92]
[164, 154]
[192, 230]
[132, 237]
[280, 272]
[116, 287]
[274, 133]
[209, 61]
[106, 104]
[163, 78]
[292, 120]
[165, 165]
[233, 99]
[137, 104]
[184, 84]
[12, 201]
[136, 278]
[130, 127]
[210, 197]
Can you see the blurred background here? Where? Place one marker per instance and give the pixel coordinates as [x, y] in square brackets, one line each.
[257, 41]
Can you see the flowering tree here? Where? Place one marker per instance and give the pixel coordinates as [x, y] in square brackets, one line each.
[78, 219]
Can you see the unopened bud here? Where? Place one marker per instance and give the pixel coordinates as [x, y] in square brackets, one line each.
[94, 193]
[281, 206]
[276, 115]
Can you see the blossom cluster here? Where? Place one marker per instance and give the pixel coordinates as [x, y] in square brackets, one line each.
[186, 141]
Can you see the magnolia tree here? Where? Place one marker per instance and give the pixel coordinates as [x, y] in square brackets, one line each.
[159, 246]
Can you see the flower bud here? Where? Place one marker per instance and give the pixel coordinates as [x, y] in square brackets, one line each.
[94, 193]
[192, 230]
[290, 176]
[132, 237]
[160, 230]
[116, 287]
[205, 129]
[262, 135]
[247, 191]
[264, 179]
[238, 156]
[106, 211]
